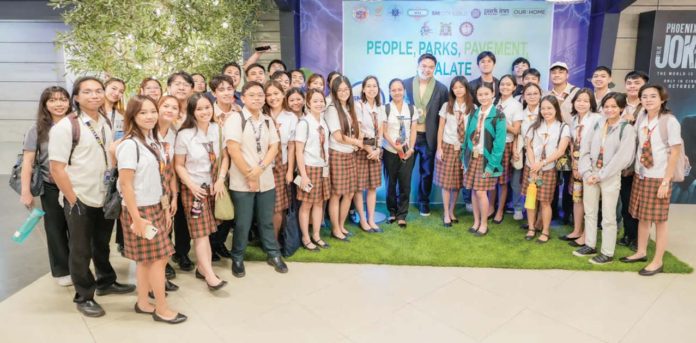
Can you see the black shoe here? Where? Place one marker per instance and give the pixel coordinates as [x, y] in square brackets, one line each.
[539, 241]
[151, 295]
[634, 260]
[306, 246]
[170, 286]
[238, 268]
[222, 251]
[169, 272]
[90, 308]
[447, 225]
[179, 318]
[116, 288]
[524, 226]
[138, 310]
[213, 288]
[391, 219]
[645, 272]
[481, 234]
[624, 241]
[529, 237]
[473, 229]
[585, 251]
[214, 257]
[320, 243]
[344, 239]
[184, 263]
[198, 275]
[424, 210]
[568, 238]
[277, 264]
[575, 244]
[402, 224]
[633, 246]
[498, 222]
[601, 259]
[455, 220]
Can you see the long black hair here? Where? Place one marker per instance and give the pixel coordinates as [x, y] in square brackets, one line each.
[556, 106]
[338, 81]
[590, 94]
[44, 121]
[468, 98]
[191, 105]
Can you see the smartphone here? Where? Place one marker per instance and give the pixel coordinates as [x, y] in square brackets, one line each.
[150, 231]
[263, 48]
[298, 182]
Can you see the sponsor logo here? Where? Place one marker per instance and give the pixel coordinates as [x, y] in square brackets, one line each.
[445, 29]
[458, 13]
[395, 12]
[425, 30]
[466, 29]
[378, 11]
[417, 12]
[496, 11]
[475, 13]
[529, 12]
[360, 13]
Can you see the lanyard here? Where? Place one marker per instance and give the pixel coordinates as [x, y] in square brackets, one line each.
[156, 150]
[99, 140]
[257, 135]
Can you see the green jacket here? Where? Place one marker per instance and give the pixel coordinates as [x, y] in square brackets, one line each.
[495, 128]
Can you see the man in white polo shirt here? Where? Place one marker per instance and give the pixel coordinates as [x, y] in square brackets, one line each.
[79, 172]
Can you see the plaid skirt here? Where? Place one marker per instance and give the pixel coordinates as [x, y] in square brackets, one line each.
[206, 223]
[507, 164]
[474, 176]
[344, 174]
[548, 179]
[449, 174]
[321, 190]
[141, 249]
[282, 199]
[644, 204]
[369, 171]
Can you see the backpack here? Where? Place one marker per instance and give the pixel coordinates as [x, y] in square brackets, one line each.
[621, 130]
[76, 131]
[411, 110]
[244, 122]
[683, 167]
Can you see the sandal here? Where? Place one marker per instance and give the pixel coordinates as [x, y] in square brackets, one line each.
[548, 238]
[528, 237]
[320, 243]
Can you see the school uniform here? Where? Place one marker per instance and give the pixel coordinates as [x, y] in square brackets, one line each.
[579, 129]
[342, 163]
[544, 141]
[651, 158]
[255, 137]
[477, 82]
[90, 232]
[604, 153]
[448, 171]
[630, 224]
[528, 118]
[201, 150]
[369, 171]
[286, 123]
[565, 99]
[149, 184]
[513, 113]
[482, 152]
[398, 171]
[314, 134]
[117, 125]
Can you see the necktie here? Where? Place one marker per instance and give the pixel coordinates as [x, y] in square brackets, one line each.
[322, 140]
[460, 125]
[646, 156]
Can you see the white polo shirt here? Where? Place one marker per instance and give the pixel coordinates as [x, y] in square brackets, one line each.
[588, 123]
[168, 141]
[394, 119]
[547, 136]
[334, 123]
[286, 123]
[660, 151]
[367, 127]
[528, 118]
[193, 144]
[147, 182]
[246, 137]
[307, 132]
[86, 171]
[513, 112]
[449, 133]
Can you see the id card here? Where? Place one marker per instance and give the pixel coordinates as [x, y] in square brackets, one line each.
[325, 172]
[457, 147]
[476, 154]
[164, 201]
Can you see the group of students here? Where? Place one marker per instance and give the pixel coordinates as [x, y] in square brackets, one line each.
[284, 140]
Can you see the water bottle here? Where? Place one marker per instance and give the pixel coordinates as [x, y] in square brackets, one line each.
[197, 207]
[28, 226]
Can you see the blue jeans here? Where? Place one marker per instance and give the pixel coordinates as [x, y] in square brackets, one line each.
[516, 184]
[426, 165]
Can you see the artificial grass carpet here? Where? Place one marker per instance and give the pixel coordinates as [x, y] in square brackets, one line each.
[426, 242]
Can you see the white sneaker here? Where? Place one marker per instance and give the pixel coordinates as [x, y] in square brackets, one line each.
[518, 215]
[64, 281]
[469, 208]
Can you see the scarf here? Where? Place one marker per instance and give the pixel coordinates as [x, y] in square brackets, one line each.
[422, 102]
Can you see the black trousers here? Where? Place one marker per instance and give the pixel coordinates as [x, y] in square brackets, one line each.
[219, 237]
[398, 172]
[182, 237]
[119, 232]
[426, 167]
[561, 193]
[630, 224]
[56, 228]
[90, 234]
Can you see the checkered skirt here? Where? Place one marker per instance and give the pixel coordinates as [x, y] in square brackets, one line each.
[206, 223]
[474, 176]
[548, 178]
[369, 171]
[282, 200]
[321, 190]
[449, 174]
[344, 174]
[507, 164]
[644, 204]
[141, 249]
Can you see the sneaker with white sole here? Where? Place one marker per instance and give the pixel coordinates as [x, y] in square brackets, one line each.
[585, 251]
[518, 215]
[601, 259]
[63, 281]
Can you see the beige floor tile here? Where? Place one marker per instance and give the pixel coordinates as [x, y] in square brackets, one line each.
[529, 326]
[409, 325]
[468, 308]
[603, 304]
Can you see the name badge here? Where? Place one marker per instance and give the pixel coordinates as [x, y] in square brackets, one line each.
[164, 201]
[476, 154]
[325, 172]
[457, 147]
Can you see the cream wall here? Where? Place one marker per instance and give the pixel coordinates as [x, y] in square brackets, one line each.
[625, 51]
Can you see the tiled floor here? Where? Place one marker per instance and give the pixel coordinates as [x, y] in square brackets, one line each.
[368, 303]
